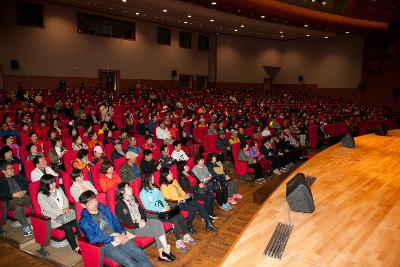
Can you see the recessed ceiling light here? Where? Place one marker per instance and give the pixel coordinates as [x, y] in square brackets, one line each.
[235, 30]
[185, 22]
[137, 13]
[305, 25]
[282, 36]
[211, 20]
[347, 32]
[124, 1]
[165, 11]
[239, 10]
[213, 3]
[323, 3]
[189, 16]
[281, 32]
[326, 37]
[308, 35]
[263, 17]
[242, 26]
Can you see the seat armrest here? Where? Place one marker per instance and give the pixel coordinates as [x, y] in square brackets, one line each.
[41, 228]
[92, 254]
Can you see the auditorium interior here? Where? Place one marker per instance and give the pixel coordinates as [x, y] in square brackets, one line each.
[200, 133]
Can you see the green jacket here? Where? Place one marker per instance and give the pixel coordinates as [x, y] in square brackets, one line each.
[127, 174]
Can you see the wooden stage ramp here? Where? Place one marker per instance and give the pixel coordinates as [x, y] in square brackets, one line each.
[357, 217]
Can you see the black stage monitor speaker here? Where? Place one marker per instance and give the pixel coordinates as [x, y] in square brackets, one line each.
[381, 130]
[14, 64]
[174, 73]
[348, 141]
[298, 194]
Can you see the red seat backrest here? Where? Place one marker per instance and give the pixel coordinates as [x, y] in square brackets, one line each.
[109, 151]
[136, 187]
[210, 143]
[111, 199]
[118, 163]
[156, 176]
[28, 169]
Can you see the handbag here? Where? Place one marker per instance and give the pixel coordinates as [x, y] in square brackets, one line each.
[66, 218]
[168, 215]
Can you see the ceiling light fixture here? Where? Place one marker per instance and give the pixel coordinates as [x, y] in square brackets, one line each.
[124, 1]
[165, 11]
[242, 26]
[235, 30]
[281, 32]
[308, 35]
[347, 32]
[282, 36]
[185, 22]
[137, 13]
[326, 37]
[111, 8]
[213, 3]
[189, 16]
[263, 17]
[306, 25]
[211, 20]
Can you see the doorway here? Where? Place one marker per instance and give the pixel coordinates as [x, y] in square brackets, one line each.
[185, 81]
[201, 82]
[109, 79]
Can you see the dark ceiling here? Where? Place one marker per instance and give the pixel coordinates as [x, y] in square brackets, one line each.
[372, 10]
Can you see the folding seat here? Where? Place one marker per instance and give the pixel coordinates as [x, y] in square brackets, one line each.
[67, 143]
[28, 166]
[313, 135]
[118, 163]
[64, 132]
[68, 158]
[198, 133]
[42, 224]
[190, 163]
[109, 151]
[210, 143]
[95, 170]
[46, 147]
[240, 166]
[249, 131]
[125, 144]
[117, 133]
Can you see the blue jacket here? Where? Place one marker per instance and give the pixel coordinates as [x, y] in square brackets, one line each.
[92, 230]
[153, 199]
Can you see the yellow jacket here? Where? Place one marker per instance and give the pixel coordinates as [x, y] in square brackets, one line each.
[172, 191]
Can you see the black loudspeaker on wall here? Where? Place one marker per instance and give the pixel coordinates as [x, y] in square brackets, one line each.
[174, 73]
[348, 141]
[381, 130]
[14, 64]
[298, 194]
[300, 78]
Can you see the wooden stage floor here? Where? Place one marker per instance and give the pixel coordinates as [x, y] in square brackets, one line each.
[357, 217]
